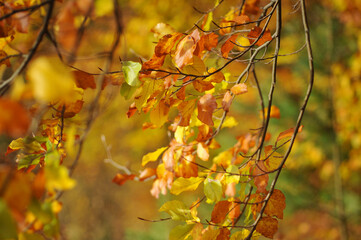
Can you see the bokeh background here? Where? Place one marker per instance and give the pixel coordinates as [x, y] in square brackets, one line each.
[322, 178]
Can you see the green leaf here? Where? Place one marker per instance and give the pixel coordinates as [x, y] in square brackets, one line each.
[213, 190]
[185, 184]
[153, 156]
[177, 210]
[131, 71]
[181, 232]
[28, 160]
[127, 91]
[240, 235]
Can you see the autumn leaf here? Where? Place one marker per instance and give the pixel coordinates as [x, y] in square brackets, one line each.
[132, 110]
[256, 32]
[159, 115]
[239, 89]
[241, 19]
[220, 211]
[275, 112]
[276, 204]
[70, 109]
[185, 48]
[206, 106]
[177, 210]
[161, 29]
[288, 133]
[185, 184]
[186, 110]
[228, 45]
[154, 63]
[120, 179]
[14, 118]
[153, 156]
[224, 234]
[267, 226]
[260, 176]
[202, 151]
[206, 42]
[227, 101]
[166, 44]
[210, 234]
[181, 232]
[84, 80]
[202, 86]
[147, 173]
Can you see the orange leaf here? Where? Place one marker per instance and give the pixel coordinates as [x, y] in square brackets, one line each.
[120, 179]
[288, 133]
[84, 80]
[275, 112]
[224, 234]
[227, 101]
[206, 42]
[202, 86]
[154, 63]
[187, 168]
[256, 32]
[220, 211]
[206, 106]
[216, 77]
[204, 133]
[260, 181]
[186, 110]
[234, 210]
[14, 118]
[147, 173]
[185, 49]
[132, 109]
[239, 89]
[166, 44]
[276, 204]
[67, 32]
[228, 45]
[241, 19]
[71, 109]
[267, 226]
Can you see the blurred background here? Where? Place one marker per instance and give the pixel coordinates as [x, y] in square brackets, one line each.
[322, 178]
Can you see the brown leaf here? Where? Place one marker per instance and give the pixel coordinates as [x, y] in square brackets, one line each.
[166, 43]
[275, 112]
[220, 211]
[227, 101]
[84, 80]
[239, 89]
[267, 226]
[256, 32]
[120, 179]
[216, 77]
[14, 118]
[206, 106]
[260, 181]
[228, 45]
[186, 110]
[187, 168]
[234, 211]
[206, 42]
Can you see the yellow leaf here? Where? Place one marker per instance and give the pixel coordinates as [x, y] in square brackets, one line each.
[51, 80]
[57, 178]
[202, 151]
[230, 122]
[177, 210]
[185, 184]
[159, 115]
[153, 156]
